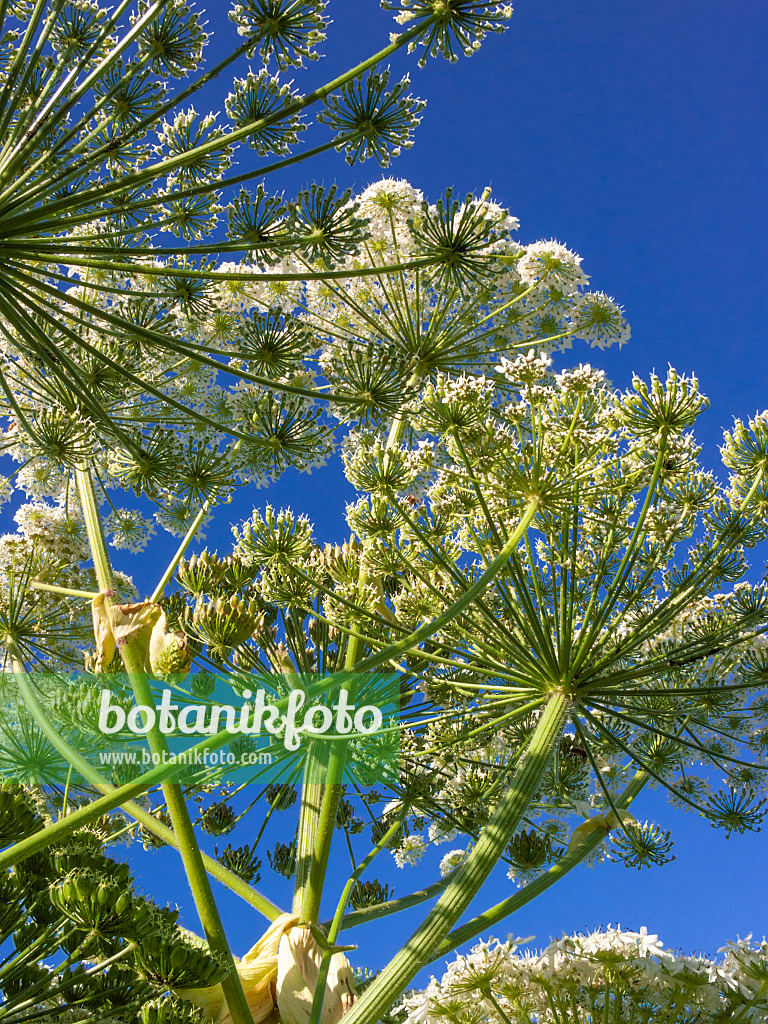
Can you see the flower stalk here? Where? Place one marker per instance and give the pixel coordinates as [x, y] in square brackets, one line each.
[181, 822]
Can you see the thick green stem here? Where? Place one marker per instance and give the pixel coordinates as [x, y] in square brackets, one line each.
[309, 817]
[333, 934]
[326, 764]
[321, 819]
[425, 942]
[181, 822]
[491, 917]
[321, 796]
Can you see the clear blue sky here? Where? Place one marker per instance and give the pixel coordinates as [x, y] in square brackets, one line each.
[636, 134]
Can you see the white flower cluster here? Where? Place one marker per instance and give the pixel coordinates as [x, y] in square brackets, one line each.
[59, 530]
[612, 975]
[523, 297]
[410, 851]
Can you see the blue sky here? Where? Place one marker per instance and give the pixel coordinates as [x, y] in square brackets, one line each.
[635, 134]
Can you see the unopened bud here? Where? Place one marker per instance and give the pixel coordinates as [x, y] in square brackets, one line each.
[298, 967]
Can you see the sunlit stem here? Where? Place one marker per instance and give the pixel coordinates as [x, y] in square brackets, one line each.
[470, 875]
[177, 809]
[333, 933]
[322, 788]
[157, 593]
[49, 588]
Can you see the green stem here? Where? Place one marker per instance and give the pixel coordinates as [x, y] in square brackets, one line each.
[20, 155]
[190, 351]
[491, 917]
[425, 942]
[599, 618]
[336, 924]
[326, 765]
[317, 824]
[316, 828]
[181, 822]
[64, 591]
[94, 529]
[157, 593]
[149, 175]
[309, 816]
[321, 821]
[413, 899]
[486, 991]
[338, 918]
[136, 129]
[114, 798]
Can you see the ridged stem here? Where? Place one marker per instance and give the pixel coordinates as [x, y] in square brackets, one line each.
[472, 928]
[425, 943]
[321, 796]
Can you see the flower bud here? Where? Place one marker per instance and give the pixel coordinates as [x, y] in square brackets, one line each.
[257, 971]
[298, 966]
[168, 651]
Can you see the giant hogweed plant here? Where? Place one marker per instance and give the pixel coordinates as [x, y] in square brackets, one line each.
[500, 295]
[557, 583]
[99, 152]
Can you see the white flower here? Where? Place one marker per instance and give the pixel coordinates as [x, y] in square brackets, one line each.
[55, 528]
[451, 861]
[525, 369]
[6, 490]
[441, 832]
[649, 945]
[580, 379]
[717, 973]
[553, 264]
[390, 197]
[411, 851]
[417, 1004]
[176, 517]
[41, 479]
[129, 529]
[599, 319]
